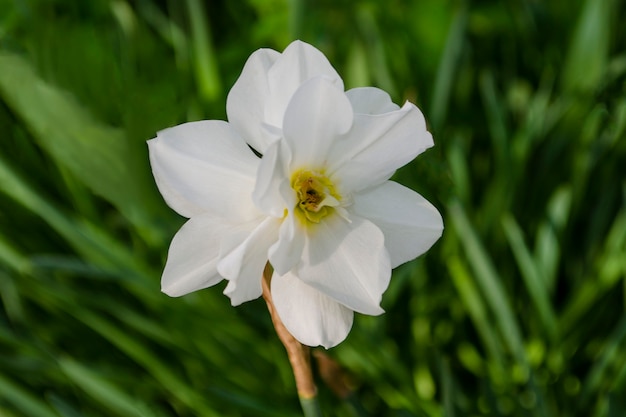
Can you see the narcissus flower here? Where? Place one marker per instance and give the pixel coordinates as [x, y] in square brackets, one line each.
[318, 205]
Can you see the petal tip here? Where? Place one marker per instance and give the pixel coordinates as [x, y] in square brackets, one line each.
[171, 292]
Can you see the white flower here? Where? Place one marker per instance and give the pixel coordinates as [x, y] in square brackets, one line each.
[318, 205]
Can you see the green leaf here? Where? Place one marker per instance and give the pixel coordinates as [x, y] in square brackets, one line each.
[204, 59]
[103, 391]
[535, 283]
[23, 400]
[98, 155]
[92, 242]
[476, 308]
[489, 282]
[144, 357]
[587, 55]
[610, 357]
[448, 67]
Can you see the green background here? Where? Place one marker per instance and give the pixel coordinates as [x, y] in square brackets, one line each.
[517, 311]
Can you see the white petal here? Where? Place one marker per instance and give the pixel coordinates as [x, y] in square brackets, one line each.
[370, 100]
[243, 265]
[347, 261]
[272, 184]
[193, 255]
[298, 63]
[310, 316]
[410, 223]
[205, 167]
[246, 101]
[317, 114]
[376, 146]
[287, 252]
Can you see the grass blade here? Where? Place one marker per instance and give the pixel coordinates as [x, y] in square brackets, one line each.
[98, 155]
[447, 67]
[587, 55]
[489, 281]
[23, 400]
[204, 59]
[105, 393]
[535, 283]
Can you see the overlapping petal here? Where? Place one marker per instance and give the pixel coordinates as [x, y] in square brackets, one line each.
[287, 251]
[246, 101]
[370, 100]
[266, 85]
[410, 223]
[310, 316]
[298, 63]
[243, 264]
[269, 193]
[376, 146]
[348, 262]
[193, 255]
[205, 167]
[316, 116]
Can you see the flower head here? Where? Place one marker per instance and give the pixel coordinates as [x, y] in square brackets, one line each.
[318, 205]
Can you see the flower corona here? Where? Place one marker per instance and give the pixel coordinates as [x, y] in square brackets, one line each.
[316, 195]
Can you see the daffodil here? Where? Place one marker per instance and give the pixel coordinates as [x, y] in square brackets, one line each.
[318, 205]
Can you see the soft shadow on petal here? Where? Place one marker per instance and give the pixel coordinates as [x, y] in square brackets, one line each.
[287, 252]
[376, 146]
[243, 265]
[272, 177]
[370, 100]
[410, 223]
[348, 262]
[193, 255]
[298, 63]
[310, 316]
[205, 167]
[316, 116]
[246, 101]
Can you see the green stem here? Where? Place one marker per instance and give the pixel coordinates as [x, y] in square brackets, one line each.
[310, 407]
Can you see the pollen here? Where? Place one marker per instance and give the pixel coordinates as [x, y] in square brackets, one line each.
[316, 194]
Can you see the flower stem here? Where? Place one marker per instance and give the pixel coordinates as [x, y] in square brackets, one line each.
[310, 407]
[298, 354]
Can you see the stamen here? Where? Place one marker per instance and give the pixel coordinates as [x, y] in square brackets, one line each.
[316, 194]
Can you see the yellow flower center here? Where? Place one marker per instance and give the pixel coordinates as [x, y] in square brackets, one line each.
[317, 197]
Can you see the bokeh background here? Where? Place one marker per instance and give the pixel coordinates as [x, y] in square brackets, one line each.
[517, 311]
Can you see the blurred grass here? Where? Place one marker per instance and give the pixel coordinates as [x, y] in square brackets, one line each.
[517, 311]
